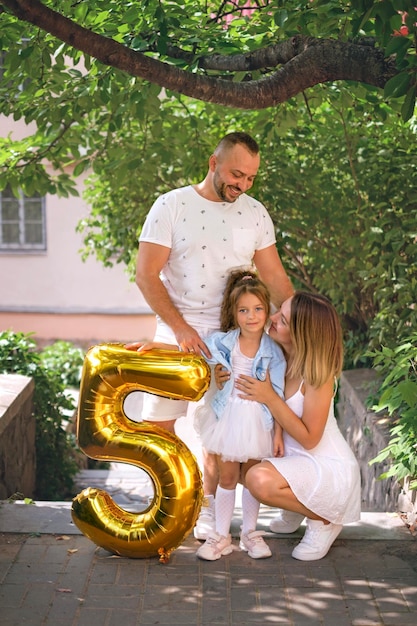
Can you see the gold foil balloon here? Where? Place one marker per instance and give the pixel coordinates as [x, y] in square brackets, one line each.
[105, 433]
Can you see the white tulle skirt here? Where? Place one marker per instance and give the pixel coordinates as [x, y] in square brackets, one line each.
[241, 433]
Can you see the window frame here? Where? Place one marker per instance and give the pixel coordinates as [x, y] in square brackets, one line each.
[23, 245]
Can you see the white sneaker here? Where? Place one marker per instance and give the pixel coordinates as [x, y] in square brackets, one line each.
[206, 522]
[254, 545]
[317, 540]
[214, 547]
[286, 522]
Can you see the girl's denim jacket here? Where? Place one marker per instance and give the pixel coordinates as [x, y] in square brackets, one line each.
[268, 358]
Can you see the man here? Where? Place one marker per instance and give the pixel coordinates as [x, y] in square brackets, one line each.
[191, 239]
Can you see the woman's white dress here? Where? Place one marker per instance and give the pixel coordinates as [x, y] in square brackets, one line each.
[326, 479]
[240, 434]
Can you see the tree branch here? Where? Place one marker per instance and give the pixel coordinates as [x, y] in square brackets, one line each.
[304, 61]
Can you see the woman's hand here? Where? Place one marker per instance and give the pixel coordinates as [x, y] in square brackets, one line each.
[254, 389]
[221, 375]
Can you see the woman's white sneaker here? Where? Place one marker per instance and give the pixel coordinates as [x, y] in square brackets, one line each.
[286, 522]
[254, 545]
[317, 541]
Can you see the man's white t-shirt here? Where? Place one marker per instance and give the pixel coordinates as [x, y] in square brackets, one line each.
[207, 240]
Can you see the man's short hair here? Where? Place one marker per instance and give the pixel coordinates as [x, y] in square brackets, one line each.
[232, 139]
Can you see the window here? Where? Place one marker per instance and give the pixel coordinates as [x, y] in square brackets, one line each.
[22, 222]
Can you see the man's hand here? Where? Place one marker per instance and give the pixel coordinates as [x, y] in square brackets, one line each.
[145, 346]
[190, 341]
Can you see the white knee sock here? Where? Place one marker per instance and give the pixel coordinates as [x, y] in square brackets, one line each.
[224, 503]
[250, 511]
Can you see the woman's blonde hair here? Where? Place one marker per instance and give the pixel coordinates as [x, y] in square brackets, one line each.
[316, 335]
[238, 283]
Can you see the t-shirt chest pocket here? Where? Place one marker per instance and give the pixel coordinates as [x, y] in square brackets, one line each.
[244, 241]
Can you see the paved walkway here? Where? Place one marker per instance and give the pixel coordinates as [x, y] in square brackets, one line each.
[50, 574]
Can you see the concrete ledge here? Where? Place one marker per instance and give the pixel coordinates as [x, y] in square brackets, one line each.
[17, 435]
[50, 518]
[15, 391]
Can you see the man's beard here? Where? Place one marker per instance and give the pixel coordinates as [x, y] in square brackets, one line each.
[221, 190]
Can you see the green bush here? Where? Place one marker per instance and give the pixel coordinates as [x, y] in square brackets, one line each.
[398, 369]
[56, 464]
[342, 194]
[66, 359]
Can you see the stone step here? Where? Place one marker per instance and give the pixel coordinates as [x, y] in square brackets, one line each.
[45, 517]
[131, 489]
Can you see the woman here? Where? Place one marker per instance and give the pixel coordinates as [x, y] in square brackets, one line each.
[318, 476]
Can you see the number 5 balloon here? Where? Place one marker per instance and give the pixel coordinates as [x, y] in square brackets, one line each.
[104, 432]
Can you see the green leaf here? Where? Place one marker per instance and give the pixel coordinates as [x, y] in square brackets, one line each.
[397, 45]
[81, 167]
[26, 52]
[280, 17]
[397, 85]
[131, 15]
[407, 109]
[81, 10]
[408, 392]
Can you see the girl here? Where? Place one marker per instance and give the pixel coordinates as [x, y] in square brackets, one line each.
[319, 476]
[238, 432]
